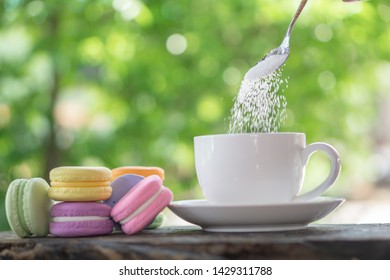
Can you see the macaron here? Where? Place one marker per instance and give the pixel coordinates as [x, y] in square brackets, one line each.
[157, 222]
[77, 219]
[80, 183]
[122, 185]
[140, 206]
[144, 171]
[27, 207]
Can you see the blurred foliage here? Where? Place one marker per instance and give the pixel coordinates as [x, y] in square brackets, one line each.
[131, 82]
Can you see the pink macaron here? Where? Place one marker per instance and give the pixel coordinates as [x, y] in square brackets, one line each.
[140, 206]
[75, 219]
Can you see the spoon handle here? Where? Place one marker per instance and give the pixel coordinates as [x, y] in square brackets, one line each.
[297, 13]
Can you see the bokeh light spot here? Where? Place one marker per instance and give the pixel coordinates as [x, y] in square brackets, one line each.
[326, 80]
[5, 115]
[176, 44]
[384, 12]
[120, 46]
[34, 8]
[71, 114]
[146, 103]
[15, 44]
[129, 9]
[184, 159]
[323, 32]
[92, 50]
[208, 66]
[232, 76]
[209, 108]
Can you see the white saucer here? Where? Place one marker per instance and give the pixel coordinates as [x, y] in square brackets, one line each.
[254, 218]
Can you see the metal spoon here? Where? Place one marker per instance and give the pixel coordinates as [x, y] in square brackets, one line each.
[277, 57]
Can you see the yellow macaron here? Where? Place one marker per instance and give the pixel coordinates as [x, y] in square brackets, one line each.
[80, 183]
[144, 171]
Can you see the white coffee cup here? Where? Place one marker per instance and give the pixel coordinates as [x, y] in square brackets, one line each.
[258, 168]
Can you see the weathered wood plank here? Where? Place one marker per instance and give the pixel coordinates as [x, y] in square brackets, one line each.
[363, 241]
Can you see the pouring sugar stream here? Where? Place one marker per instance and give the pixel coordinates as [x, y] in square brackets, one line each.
[258, 106]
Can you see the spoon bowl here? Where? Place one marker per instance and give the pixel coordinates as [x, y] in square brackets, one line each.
[276, 57]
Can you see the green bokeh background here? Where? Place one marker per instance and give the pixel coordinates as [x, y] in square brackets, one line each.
[96, 82]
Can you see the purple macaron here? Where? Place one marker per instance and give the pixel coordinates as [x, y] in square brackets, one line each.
[121, 186]
[76, 219]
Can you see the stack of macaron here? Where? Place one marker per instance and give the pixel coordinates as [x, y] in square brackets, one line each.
[138, 197]
[85, 201]
[80, 191]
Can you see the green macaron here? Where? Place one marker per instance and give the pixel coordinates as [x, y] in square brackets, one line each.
[27, 206]
[157, 222]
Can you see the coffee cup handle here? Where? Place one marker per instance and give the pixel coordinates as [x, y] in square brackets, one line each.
[334, 169]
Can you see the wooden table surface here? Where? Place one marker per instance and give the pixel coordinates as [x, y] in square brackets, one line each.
[341, 241]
